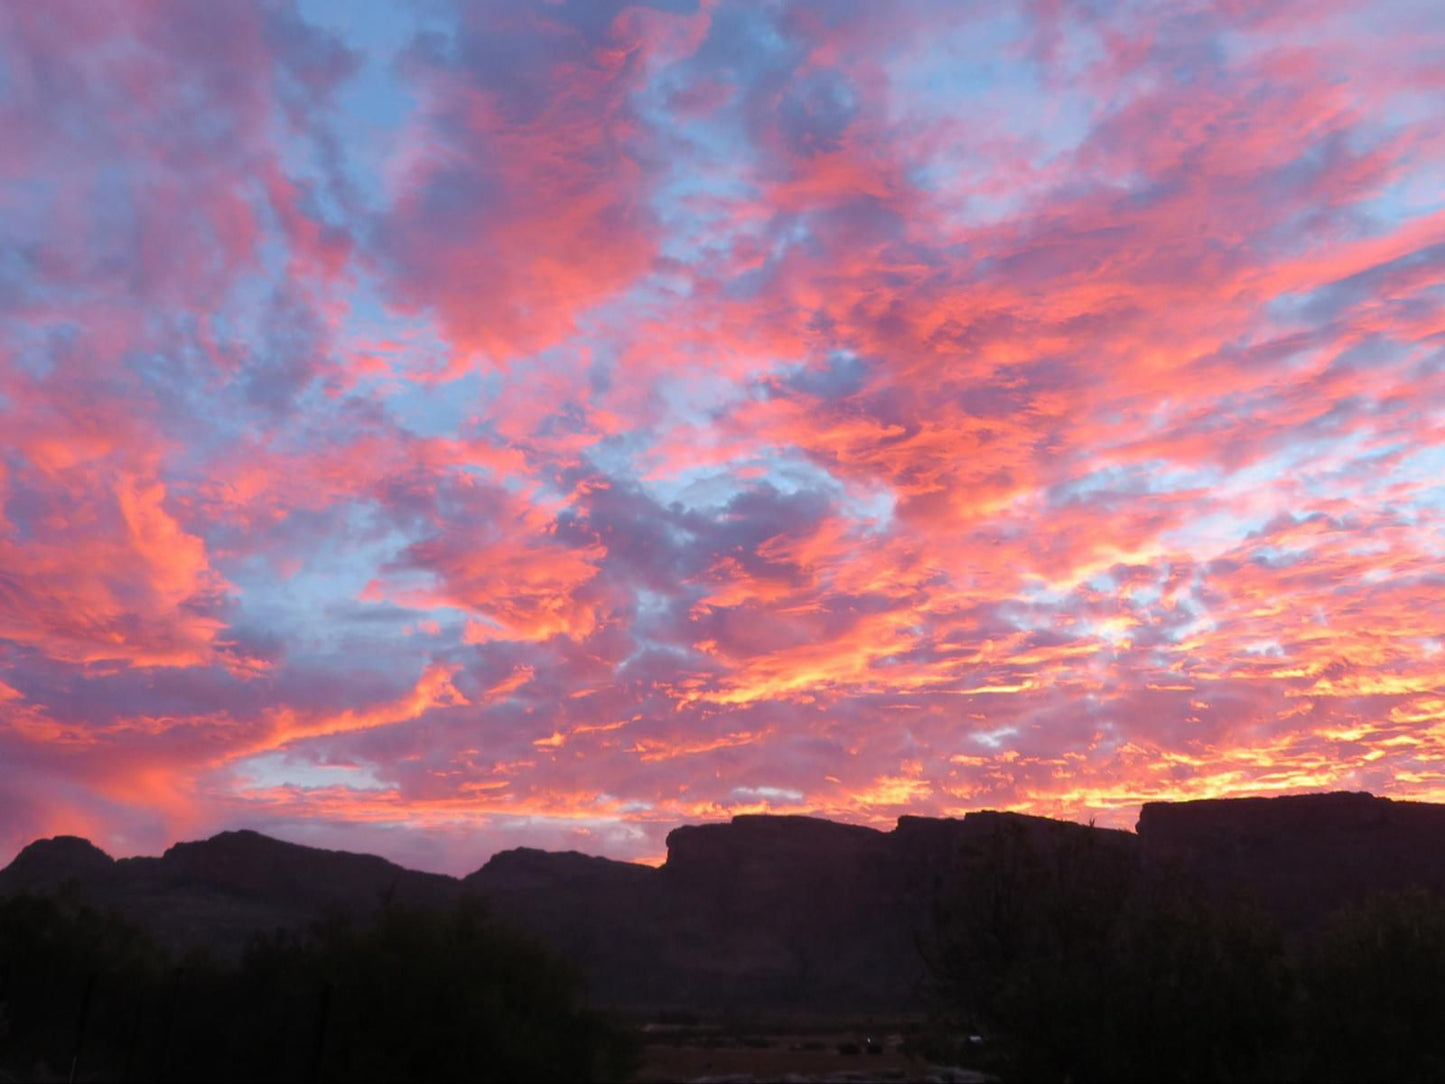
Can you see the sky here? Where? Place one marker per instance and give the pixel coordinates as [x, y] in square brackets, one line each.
[433, 428]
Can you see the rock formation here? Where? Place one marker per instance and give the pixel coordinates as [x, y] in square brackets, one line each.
[1301, 856]
[764, 912]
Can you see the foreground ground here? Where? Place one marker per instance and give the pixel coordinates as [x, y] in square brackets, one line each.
[716, 1052]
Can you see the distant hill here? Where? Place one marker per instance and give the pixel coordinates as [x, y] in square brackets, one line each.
[762, 912]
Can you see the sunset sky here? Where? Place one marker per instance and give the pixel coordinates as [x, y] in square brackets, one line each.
[434, 428]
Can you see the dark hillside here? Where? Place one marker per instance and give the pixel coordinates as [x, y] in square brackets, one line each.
[768, 913]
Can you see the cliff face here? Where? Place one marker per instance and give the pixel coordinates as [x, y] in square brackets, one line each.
[598, 913]
[785, 910]
[763, 913]
[1300, 856]
[766, 852]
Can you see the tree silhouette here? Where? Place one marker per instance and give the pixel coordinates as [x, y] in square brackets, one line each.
[1076, 964]
[1375, 991]
[447, 994]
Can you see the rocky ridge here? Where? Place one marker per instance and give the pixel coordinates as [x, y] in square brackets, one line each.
[763, 912]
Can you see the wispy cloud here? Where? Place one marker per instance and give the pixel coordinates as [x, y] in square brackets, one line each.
[429, 428]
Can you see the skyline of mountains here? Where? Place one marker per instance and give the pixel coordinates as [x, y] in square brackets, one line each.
[771, 912]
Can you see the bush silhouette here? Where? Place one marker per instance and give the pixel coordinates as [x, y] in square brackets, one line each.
[1197, 989]
[411, 994]
[1375, 991]
[70, 978]
[1077, 965]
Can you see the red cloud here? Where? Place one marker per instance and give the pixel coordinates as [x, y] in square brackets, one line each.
[884, 413]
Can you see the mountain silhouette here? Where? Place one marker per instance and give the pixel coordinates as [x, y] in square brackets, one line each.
[763, 912]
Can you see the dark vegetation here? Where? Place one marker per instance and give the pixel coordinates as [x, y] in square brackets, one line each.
[410, 994]
[1073, 960]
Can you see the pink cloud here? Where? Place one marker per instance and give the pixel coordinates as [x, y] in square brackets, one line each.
[585, 419]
